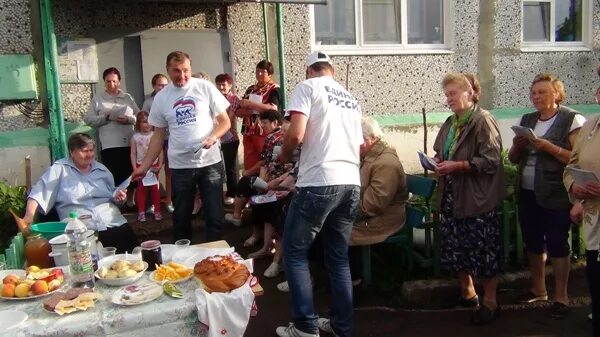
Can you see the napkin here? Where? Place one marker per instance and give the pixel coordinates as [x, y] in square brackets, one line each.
[226, 314]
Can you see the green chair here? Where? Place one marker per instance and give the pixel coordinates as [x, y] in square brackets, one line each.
[417, 216]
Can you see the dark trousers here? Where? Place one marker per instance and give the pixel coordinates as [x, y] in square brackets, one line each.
[593, 276]
[209, 181]
[230, 151]
[122, 237]
[117, 161]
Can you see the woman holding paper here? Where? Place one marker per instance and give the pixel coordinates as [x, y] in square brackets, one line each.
[112, 112]
[470, 188]
[259, 97]
[586, 204]
[81, 184]
[543, 202]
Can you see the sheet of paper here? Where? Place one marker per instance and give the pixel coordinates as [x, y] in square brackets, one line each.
[582, 177]
[150, 179]
[256, 99]
[523, 131]
[428, 163]
[124, 184]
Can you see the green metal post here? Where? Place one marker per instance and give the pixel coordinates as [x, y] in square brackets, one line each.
[266, 31]
[281, 52]
[58, 142]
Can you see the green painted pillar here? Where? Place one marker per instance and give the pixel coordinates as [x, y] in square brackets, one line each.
[58, 142]
[281, 55]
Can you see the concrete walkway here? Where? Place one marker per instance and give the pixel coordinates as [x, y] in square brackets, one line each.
[390, 314]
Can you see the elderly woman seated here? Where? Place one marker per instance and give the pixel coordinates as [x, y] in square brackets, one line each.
[383, 193]
[81, 184]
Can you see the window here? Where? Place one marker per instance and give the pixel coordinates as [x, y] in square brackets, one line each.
[558, 23]
[380, 26]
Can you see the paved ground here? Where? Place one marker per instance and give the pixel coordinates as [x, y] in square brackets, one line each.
[381, 313]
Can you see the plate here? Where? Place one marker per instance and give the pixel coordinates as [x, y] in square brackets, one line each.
[21, 273]
[151, 276]
[137, 294]
[123, 280]
[10, 319]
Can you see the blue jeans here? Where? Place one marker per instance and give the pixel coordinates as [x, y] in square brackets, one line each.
[209, 181]
[329, 210]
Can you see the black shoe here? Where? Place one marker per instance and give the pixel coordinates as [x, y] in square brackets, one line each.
[559, 310]
[484, 315]
[472, 302]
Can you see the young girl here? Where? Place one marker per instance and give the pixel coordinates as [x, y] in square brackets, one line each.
[139, 147]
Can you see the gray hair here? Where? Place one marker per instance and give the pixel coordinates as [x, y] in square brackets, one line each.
[79, 141]
[203, 75]
[370, 128]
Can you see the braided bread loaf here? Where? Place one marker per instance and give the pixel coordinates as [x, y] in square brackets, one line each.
[221, 273]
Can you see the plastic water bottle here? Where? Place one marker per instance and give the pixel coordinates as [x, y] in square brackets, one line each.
[81, 267]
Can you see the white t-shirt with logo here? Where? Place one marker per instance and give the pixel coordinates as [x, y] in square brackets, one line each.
[330, 149]
[189, 114]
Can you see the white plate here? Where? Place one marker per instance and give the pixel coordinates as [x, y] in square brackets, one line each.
[21, 273]
[123, 280]
[10, 319]
[137, 294]
[167, 251]
[151, 277]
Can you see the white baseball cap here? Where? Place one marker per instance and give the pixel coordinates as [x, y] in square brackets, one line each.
[317, 56]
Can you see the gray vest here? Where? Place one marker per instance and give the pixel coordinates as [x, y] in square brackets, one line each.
[548, 185]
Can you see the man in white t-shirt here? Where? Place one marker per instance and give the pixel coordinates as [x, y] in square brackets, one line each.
[326, 119]
[188, 107]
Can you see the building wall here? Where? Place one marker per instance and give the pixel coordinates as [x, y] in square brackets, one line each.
[514, 70]
[16, 38]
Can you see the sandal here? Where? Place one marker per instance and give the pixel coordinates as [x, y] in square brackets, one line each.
[251, 241]
[559, 310]
[484, 315]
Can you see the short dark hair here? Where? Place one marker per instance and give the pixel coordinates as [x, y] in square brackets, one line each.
[79, 140]
[224, 78]
[111, 70]
[272, 115]
[320, 66]
[266, 65]
[178, 56]
[156, 77]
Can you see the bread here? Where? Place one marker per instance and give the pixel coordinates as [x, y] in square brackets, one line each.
[221, 273]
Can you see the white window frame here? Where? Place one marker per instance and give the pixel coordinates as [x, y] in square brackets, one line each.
[587, 9]
[362, 48]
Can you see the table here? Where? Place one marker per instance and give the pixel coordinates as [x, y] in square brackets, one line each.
[164, 316]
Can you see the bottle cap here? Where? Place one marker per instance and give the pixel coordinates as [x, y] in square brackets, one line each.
[73, 215]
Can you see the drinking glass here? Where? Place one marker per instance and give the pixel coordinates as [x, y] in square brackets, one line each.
[107, 251]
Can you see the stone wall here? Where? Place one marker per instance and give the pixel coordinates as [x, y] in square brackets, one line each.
[15, 25]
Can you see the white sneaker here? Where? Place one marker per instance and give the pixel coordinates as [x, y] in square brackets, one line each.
[150, 210]
[283, 286]
[326, 326]
[228, 201]
[236, 222]
[170, 208]
[291, 331]
[273, 270]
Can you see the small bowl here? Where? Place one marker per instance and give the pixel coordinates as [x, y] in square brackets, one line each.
[107, 261]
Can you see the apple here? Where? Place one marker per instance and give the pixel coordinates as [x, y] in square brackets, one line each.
[39, 287]
[11, 278]
[54, 284]
[32, 269]
[55, 274]
[22, 290]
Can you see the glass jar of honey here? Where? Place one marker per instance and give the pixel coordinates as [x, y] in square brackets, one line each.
[37, 250]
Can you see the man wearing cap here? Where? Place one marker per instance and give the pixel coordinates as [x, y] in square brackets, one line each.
[326, 118]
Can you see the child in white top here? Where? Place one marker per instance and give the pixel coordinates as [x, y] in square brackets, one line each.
[139, 147]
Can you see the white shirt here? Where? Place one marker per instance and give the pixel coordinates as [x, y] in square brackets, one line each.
[541, 127]
[330, 149]
[142, 142]
[188, 112]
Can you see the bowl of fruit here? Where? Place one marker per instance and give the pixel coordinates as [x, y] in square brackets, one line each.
[18, 284]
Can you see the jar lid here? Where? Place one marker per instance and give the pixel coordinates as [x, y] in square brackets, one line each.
[150, 244]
